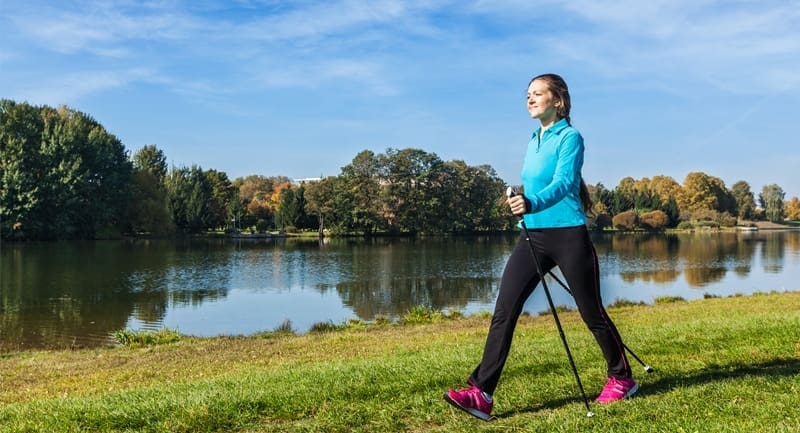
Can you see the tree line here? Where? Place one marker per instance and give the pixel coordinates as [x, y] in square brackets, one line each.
[63, 176]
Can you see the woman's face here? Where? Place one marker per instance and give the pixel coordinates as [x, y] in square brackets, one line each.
[541, 103]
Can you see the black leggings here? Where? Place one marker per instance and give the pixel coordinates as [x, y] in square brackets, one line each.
[572, 251]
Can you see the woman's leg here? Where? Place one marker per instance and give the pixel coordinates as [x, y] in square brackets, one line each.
[517, 283]
[574, 253]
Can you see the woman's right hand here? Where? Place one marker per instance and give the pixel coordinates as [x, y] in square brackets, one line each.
[518, 204]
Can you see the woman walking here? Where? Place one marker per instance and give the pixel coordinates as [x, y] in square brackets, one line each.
[553, 206]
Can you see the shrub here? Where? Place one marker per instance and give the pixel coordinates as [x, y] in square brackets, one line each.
[127, 337]
[321, 327]
[625, 220]
[602, 221]
[262, 225]
[668, 300]
[685, 225]
[625, 303]
[655, 220]
[422, 315]
[727, 220]
[285, 328]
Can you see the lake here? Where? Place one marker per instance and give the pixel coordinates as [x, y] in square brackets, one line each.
[73, 294]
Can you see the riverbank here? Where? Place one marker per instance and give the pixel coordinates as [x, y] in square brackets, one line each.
[722, 364]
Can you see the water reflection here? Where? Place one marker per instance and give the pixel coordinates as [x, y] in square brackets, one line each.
[700, 258]
[75, 293]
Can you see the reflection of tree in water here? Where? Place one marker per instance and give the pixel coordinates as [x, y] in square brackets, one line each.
[395, 297]
[640, 256]
[792, 240]
[59, 295]
[709, 256]
[772, 253]
[657, 276]
[703, 258]
[437, 273]
[76, 293]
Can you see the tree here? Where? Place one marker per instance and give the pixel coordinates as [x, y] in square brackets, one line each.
[152, 160]
[703, 192]
[320, 200]
[470, 198]
[147, 210]
[644, 198]
[63, 174]
[147, 207]
[21, 168]
[745, 201]
[222, 193]
[411, 194]
[289, 210]
[791, 209]
[602, 198]
[771, 199]
[665, 188]
[358, 194]
[624, 196]
[189, 195]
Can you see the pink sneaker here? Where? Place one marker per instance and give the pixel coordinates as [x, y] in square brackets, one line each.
[617, 389]
[472, 401]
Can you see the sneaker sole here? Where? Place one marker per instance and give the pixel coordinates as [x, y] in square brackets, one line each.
[474, 412]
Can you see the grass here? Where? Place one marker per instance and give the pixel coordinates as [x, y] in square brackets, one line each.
[722, 365]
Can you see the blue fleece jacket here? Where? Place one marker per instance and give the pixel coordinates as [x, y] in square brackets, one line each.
[551, 177]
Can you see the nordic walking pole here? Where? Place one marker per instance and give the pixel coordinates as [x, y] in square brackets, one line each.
[646, 367]
[510, 193]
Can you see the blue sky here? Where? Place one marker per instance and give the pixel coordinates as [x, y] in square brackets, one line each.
[298, 88]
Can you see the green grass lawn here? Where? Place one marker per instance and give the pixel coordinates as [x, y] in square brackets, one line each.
[722, 365]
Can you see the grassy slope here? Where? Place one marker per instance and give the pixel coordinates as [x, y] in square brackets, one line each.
[723, 365]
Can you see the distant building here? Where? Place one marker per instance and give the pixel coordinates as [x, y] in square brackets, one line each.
[306, 179]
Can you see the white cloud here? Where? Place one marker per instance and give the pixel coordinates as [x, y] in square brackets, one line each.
[63, 89]
[100, 28]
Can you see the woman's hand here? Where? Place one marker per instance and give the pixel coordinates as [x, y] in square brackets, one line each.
[518, 204]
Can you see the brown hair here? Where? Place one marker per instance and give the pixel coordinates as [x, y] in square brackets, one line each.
[558, 87]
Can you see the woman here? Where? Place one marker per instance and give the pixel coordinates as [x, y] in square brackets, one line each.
[554, 206]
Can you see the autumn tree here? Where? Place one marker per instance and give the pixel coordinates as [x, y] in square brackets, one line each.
[791, 209]
[665, 188]
[703, 192]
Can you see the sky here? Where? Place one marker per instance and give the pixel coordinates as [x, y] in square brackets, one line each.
[299, 88]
